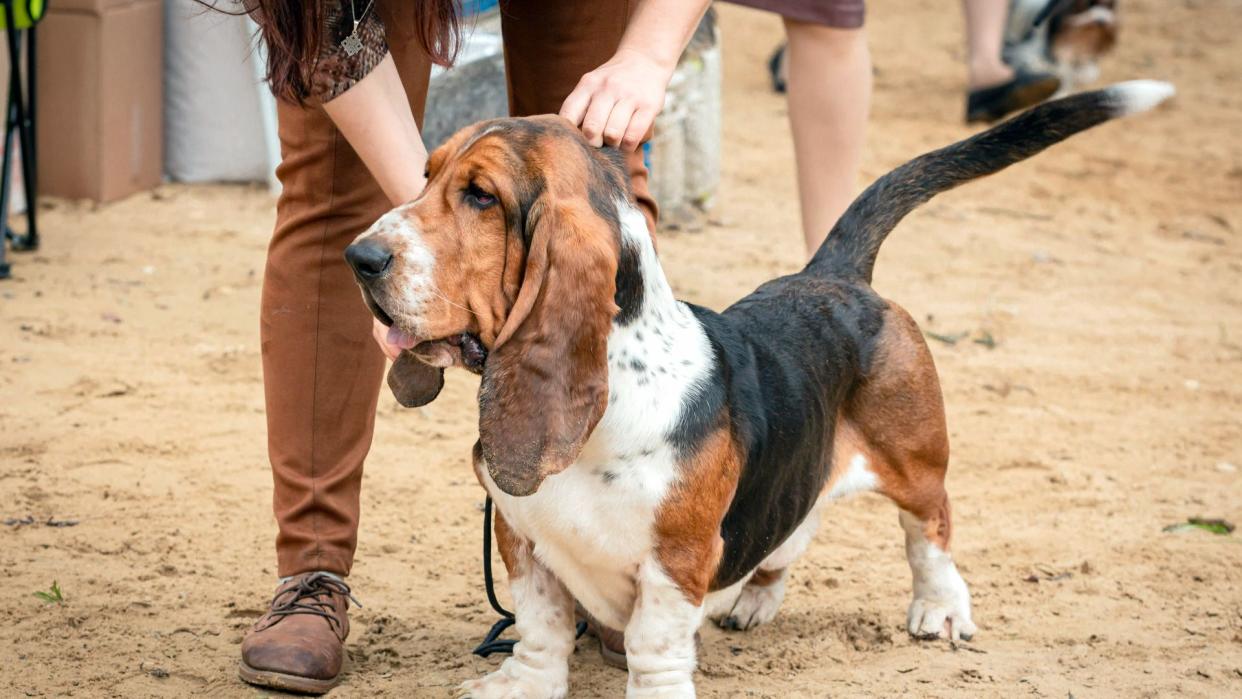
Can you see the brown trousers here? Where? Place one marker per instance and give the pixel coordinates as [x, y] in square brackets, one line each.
[321, 369]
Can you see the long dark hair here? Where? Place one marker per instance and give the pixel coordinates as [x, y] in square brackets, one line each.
[293, 31]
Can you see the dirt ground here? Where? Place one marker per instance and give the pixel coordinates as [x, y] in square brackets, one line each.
[1106, 406]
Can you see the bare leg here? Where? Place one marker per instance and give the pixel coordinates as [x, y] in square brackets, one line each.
[985, 32]
[829, 101]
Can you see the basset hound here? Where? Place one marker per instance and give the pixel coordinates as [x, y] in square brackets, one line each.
[1067, 37]
[657, 461]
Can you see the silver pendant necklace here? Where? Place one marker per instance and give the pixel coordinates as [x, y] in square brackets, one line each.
[353, 43]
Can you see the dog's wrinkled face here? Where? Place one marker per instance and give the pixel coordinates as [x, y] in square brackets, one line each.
[434, 268]
[513, 246]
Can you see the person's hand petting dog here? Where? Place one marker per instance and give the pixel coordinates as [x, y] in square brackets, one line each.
[616, 104]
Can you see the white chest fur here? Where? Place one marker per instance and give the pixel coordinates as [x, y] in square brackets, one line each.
[592, 523]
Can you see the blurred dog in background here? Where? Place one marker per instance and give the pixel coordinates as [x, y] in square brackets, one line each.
[1066, 37]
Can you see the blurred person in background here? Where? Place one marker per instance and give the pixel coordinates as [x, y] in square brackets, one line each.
[825, 69]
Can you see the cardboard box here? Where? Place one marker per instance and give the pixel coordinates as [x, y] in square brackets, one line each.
[100, 92]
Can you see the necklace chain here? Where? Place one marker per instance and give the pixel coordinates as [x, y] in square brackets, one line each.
[365, 10]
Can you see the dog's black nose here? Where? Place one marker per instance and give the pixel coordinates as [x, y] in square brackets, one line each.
[369, 260]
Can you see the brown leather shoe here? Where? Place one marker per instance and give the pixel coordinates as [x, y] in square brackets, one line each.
[299, 644]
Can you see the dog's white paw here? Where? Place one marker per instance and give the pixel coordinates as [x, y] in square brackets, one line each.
[501, 684]
[941, 608]
[755, 605]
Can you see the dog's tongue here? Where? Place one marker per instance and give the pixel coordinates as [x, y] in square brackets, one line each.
[400, 338]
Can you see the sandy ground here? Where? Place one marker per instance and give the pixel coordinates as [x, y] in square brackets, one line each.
[1107, 272]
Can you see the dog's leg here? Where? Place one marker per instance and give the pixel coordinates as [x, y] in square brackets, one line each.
[940, 607]
[896, 420]
[941, 604]
[544, 615]
[760, 598]
[757, 602]
[659, 639]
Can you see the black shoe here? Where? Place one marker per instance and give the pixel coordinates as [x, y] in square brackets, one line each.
[990, 104]
[775, 63]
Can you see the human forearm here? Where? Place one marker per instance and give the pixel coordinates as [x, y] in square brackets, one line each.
[374, 116]
[660, 29]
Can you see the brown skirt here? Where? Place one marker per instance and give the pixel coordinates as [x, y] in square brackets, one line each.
[841, 14]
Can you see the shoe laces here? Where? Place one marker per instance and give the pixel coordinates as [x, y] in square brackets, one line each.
[313, 595]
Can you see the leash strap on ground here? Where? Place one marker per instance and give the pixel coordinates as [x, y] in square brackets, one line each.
[492, 642]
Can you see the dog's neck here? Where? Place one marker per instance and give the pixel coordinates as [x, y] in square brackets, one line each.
[643, 292]
[657, 351]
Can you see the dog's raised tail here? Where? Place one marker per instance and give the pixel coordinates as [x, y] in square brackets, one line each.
[851, 248]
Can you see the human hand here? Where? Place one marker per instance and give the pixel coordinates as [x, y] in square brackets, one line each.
[616, 103]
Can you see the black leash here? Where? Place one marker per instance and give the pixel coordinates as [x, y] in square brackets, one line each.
[492, 642]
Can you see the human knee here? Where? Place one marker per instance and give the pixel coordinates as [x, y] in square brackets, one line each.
[823, 41]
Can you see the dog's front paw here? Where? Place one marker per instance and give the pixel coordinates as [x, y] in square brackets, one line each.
[507, 684]
[941, 610]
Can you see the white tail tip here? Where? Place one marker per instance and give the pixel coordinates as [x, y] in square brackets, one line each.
[1139, 95]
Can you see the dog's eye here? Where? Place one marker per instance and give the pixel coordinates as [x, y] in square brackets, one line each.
[478, 197]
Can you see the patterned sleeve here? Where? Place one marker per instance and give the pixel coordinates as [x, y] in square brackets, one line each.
[339, 69]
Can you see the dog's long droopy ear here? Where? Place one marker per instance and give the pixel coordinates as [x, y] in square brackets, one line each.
[545, 384]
